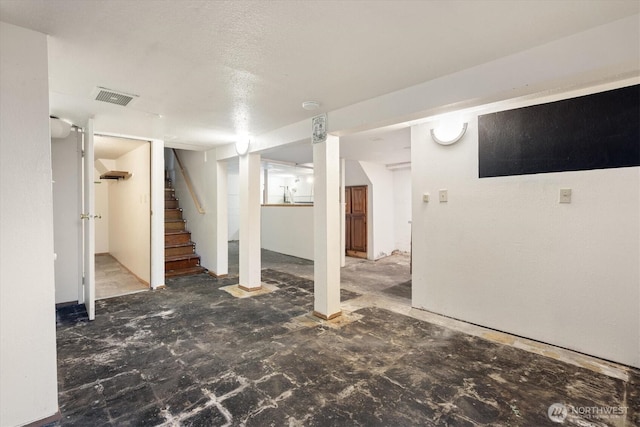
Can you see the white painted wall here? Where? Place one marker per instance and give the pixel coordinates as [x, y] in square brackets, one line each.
[354, 175]
[288, 230]
[102, 208]
[233, 207]
[67, 226]
[382, 198]
[402, 209]
[129, 213]
[503, 253]
[28, 378]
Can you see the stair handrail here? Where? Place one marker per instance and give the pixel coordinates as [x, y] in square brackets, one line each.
[188, 182]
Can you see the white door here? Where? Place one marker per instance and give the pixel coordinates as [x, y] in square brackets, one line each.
[88, 221]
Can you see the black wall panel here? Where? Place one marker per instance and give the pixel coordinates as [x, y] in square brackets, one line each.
[589, 132]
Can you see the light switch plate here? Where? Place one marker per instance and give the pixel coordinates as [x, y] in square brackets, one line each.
[444, 195]
[425, 197]
[565, 195]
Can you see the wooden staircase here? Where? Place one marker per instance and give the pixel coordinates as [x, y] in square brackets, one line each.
[180, 258]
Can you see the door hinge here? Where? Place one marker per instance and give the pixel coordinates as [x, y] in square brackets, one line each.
[83, 280]
[82, 153]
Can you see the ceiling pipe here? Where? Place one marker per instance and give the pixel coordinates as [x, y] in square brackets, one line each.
[59, 128]
[281, 162]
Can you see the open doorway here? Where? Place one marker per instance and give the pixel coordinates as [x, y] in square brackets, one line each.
[123, 216]
[379, 162]
[377, 180]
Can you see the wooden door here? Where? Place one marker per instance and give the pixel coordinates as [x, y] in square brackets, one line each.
[356, 221]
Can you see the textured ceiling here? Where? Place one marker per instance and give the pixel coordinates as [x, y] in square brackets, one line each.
[208, 70]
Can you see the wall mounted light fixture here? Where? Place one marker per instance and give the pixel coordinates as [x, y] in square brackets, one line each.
[448, 133]
[242, 145]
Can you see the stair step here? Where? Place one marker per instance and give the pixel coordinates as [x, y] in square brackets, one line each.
[178, 262]
[184, 249]
[173, 214]
[185, 271]
[176, 237]
[180, 258]
[171, 204]
[174, 224]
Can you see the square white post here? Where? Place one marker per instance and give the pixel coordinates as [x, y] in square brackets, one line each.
[250, 258]
[157, 214]
[326, 224]
[343, 215]
[222, 221]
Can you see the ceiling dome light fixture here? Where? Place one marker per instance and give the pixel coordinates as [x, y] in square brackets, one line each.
[448, 133]
[242, 145]
[310, 105]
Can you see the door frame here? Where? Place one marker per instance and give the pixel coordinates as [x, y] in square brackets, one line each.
[349, 252]
[86, 293]
[88, 223]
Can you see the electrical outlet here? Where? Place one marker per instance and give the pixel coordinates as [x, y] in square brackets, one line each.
[565, 195]
[425, 197]
[444, 196]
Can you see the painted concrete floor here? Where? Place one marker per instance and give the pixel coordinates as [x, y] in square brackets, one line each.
[112, 279]
[195, 355]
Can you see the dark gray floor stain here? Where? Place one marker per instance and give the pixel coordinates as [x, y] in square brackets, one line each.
[403, 290]
[193, 355]
[71, 313]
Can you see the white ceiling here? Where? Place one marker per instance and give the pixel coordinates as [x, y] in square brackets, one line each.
[387, 146]
[208, 70]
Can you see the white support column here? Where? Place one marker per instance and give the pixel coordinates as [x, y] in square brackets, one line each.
[250, 261]
[326, 224]
[222, 221]
[265, 189]
[343, 219]
[157, 214]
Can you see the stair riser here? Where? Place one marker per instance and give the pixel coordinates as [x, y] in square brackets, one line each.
[172, 214]
[181, 250]
[169, 194]
[177, 239]
[173, 226]
[185, 272]
[171, 204]
[183, 263]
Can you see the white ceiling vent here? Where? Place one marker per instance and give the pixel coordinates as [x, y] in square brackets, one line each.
[113, 96]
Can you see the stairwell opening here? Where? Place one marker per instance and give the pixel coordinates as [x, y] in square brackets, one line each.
[181, 258]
